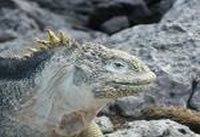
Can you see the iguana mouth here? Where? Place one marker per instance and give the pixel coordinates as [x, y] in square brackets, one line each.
[132, 88]
[133, 84]
[116, 89]
[144, 79]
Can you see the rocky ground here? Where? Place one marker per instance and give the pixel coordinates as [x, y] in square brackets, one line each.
[163, 33]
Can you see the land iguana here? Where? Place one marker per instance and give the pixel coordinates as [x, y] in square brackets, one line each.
[60, 86]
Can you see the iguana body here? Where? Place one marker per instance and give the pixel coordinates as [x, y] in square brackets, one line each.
[58, 88]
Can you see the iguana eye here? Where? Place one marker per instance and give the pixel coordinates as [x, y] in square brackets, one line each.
[117, 66]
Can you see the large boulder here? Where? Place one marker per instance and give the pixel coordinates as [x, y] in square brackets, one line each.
[171, 48]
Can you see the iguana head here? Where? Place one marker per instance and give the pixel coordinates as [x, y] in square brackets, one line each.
[112, 73]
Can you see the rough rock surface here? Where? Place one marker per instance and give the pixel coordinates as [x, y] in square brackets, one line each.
[22, 21]
[172, 49]
[154, 128]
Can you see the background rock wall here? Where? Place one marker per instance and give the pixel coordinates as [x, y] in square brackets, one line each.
[163, 33]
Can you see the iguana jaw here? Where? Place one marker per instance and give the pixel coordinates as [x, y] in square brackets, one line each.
[123, 88]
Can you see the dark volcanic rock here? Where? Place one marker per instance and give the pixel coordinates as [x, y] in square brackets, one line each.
[171, 48]
[137, 12]
[94, 13]
[7, 4]
[106, 10]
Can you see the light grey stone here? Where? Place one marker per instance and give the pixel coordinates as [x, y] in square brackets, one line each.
[154, 128]
[105, 124]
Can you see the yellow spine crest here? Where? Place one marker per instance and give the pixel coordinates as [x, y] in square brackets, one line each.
[52, 38]
[52, 41]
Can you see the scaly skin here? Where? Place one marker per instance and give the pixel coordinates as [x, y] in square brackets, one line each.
[60, 86]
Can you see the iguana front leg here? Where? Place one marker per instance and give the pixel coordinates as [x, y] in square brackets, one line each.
[92, 131]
